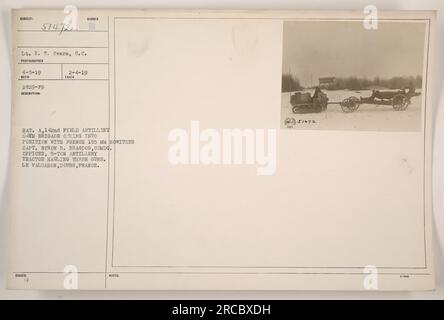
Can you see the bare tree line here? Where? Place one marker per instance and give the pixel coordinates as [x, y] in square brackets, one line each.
[291, 83]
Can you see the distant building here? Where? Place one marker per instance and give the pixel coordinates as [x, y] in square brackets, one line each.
[325, 82]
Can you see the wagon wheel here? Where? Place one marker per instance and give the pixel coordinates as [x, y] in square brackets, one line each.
[350, 104]
[295, 109]
[400, 102]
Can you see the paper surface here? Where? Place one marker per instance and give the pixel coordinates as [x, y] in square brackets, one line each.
[221, 150]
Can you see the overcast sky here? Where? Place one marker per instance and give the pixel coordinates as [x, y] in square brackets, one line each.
[314, 49]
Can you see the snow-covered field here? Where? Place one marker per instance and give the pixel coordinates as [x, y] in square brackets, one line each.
[368, 117]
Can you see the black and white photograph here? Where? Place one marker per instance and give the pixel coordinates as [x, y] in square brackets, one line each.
[342, 75]
[215, 155]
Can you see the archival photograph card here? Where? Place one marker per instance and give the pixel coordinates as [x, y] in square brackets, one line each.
[338, 75]
[221, 150]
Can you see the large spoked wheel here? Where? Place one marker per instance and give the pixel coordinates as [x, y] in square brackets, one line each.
[302, 108]
[400, 102]
[350, 104]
